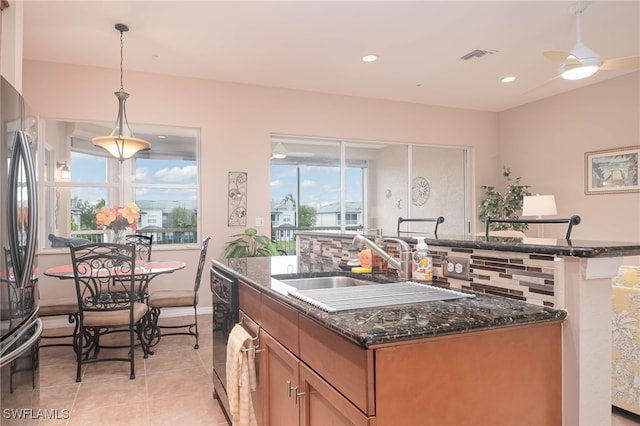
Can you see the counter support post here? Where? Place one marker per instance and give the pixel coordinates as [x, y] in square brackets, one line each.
[586, 341]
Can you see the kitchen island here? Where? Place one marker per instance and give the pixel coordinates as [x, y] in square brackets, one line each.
[577, 273]
[462, 361]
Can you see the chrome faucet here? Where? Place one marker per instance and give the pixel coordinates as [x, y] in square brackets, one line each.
[403, 266]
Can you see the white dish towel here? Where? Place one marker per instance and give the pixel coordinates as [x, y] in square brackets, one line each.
[241, 376]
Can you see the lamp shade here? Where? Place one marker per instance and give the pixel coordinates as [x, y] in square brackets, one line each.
[539, 205]
[121, 143]
[64, 174]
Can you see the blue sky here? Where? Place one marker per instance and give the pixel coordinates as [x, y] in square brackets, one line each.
[318, 185]
[93, 169]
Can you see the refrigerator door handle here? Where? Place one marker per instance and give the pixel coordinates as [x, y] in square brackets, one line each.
[23, 264]
[20, 350]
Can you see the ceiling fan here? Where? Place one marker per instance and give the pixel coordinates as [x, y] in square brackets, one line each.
[582, 61]
[279, 152]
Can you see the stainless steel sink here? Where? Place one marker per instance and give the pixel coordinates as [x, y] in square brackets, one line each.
[314, 283]
[334, 293]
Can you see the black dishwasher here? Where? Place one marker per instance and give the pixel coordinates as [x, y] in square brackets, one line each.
[224, 294]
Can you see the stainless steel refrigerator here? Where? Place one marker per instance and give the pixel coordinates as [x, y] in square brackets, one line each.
[19, 322]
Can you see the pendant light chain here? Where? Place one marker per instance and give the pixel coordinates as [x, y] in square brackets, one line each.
[121, 49]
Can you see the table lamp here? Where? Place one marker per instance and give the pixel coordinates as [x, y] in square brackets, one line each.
[539, 205]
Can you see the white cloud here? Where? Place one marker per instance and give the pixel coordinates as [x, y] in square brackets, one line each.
[176, 174]
[142, 174]
[307, 183]
[276, 183]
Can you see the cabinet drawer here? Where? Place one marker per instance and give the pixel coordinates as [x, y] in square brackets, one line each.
[250, 301]
[323, 405]
[281, 322]
[348, 367]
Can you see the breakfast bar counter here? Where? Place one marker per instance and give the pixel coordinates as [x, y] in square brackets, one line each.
[519, 284]
[388, 324]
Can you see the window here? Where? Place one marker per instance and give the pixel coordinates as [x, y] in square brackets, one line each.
[163, 182]
[366, 183]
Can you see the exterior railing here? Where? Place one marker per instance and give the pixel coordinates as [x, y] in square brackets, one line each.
[160, 236]
[285, 236]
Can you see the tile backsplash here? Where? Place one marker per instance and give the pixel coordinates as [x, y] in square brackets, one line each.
[523, 276]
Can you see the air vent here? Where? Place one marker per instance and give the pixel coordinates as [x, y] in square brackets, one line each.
[478, 53]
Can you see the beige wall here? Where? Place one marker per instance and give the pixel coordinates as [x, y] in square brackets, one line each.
[236, 121]
[544, 142]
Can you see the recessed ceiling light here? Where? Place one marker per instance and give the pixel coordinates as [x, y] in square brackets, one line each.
[161, 136]
[508, 79]
[369, 58]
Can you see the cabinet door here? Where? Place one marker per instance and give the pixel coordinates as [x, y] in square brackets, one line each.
[279, 376]
[322, 405]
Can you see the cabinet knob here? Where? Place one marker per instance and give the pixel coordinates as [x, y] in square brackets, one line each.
[297, 395]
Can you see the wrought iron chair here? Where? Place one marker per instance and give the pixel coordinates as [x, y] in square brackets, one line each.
[103, 273]
[143, 243]
[62, 306]
[570, 221]
[437, 220]
[177, 299]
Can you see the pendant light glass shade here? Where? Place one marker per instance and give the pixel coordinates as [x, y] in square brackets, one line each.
[121, 143]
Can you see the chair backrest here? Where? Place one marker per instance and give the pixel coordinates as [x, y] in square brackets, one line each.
[103, 274]
[143, 243]
[203, 258]
[570, 221]
[437, 220]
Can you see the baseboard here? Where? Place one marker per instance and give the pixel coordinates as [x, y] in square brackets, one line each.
[61, 322]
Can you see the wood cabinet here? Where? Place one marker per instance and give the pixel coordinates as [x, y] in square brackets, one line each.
[292, 393]
[295, 395]
[311, 375]
[322, 404]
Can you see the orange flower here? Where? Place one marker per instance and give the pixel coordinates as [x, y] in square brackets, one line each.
[131, 212]
[119, 217]
[104, 216]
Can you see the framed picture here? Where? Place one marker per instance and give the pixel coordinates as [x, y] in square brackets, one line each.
[612, 170]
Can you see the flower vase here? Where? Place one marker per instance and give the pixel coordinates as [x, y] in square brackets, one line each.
[119, 236]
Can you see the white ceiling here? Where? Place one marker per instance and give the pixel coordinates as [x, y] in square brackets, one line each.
[317, 45]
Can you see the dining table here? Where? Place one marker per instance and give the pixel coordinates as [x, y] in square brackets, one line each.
[145, 271]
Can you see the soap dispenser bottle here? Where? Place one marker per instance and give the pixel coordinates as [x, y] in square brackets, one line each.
[422, 270]
[378, 263]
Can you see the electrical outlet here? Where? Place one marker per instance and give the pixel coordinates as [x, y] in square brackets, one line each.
[456, 267]
[259, 221]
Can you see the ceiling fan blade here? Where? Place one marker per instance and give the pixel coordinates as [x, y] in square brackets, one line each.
[627, 63]
[301, 154]
[543, 85]
[560, 57]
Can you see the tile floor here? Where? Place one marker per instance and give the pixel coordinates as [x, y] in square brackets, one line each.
[172, 387]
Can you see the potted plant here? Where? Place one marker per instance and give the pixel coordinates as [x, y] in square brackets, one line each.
[250, 244]
[505, 205]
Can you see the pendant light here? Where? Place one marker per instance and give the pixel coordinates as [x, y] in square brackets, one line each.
[121, 143]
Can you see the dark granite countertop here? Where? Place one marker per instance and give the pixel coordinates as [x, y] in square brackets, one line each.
[549, 246]
[376, 326]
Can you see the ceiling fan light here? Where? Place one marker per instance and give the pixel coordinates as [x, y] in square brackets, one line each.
[279, 152]
[577, 72]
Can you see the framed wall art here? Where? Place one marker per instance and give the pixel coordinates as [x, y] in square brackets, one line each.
[612, 170]
[237, 199]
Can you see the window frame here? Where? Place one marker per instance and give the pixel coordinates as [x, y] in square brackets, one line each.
[125, 186]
